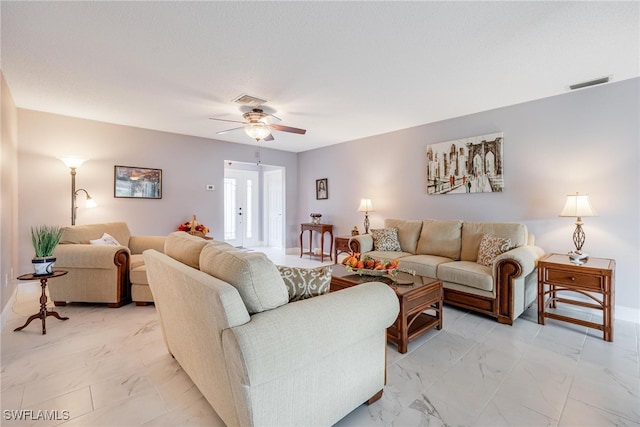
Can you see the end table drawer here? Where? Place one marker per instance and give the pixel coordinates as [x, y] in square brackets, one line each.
[575, 279]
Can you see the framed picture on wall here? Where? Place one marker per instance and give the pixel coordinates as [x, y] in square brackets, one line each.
[322, 189]
[467, 165]
[135, 182]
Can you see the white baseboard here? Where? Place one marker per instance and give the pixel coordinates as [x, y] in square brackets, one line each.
[627, 314]
[21, 288]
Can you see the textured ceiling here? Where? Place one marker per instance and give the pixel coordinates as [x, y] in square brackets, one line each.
[341, 70]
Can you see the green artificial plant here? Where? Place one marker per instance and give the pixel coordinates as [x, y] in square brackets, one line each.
[45, 239]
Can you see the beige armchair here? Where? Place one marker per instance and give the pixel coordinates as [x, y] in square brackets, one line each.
[102, 273]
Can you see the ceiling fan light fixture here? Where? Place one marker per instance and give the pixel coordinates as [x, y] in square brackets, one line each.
[258, 130]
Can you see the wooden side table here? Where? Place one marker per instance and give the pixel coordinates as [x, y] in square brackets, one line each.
[43, 313]
[556, 273]
[320, 228]
[341, 245]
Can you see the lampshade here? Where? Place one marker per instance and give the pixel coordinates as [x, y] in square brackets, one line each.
[578, 206]
[90, 203]
[365, 206]
[257, 131]
[73, 162]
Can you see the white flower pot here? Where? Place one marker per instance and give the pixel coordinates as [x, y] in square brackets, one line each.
[43, 265]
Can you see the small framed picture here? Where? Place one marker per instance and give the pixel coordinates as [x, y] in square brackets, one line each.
[135, 182]
[322, 189]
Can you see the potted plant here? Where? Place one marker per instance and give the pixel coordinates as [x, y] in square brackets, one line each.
[45, 239]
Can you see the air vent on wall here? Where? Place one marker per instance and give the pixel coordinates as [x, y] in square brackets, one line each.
[245, 99]
[589, 83]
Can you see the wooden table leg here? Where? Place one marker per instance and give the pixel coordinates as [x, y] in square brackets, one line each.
[43, 314]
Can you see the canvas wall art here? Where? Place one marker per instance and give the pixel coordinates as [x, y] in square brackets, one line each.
[136, 182]
[467, 165]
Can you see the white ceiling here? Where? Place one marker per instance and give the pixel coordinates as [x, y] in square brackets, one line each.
[341, 70]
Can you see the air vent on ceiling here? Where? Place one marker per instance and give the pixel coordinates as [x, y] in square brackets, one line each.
[590, 83]
[245, 99]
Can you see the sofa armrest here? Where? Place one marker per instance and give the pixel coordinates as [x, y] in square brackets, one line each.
[91, 256]
[526, 256]
[139, 244]
[281, 340]
[365, 242]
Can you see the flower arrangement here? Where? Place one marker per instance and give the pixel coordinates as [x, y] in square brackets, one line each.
[194, 227]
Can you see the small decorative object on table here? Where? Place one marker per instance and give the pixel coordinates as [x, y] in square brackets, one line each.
[370, 266]
[193, 227]
[355, 231]
[315, 218]
[44, 240]
[577, 257]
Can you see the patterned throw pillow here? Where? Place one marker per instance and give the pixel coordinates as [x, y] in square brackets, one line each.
[303, 283]
[386, 239]
[490, 247]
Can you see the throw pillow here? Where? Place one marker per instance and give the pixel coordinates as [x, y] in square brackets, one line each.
[303, 283]
[490, 247]
[386, 239]
[105, 240]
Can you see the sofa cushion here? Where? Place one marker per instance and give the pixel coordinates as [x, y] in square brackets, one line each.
[408, 233]
[472, 233]
[185, 248]
[256, 278]
[386, 239]
[86, 233]
[303, 283]
[440, 238]
[422, 265]
[490, 247]
[138, 275]
[467, 273]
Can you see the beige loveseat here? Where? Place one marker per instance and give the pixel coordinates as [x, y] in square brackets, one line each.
[256, 357]
[449, 250]
[102, 272]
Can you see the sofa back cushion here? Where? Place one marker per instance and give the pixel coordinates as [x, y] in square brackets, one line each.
[408, 233]
[256, 278]
[185, 248]
[86, 233]
[440, 238]
[472, 233]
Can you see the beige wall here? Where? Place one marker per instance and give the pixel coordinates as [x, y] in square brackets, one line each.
[188, 164]
[8, 201]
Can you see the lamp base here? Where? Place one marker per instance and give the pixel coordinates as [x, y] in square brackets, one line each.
[574, 255]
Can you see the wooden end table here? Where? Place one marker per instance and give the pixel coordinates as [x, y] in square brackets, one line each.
[43, 313]
[556, 273]
[416, 294]
[341, 245]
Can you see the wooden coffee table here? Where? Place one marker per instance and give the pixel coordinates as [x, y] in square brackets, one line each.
[416, 294]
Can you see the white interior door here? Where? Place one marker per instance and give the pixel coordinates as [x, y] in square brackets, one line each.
[274, 207]
[241, 210]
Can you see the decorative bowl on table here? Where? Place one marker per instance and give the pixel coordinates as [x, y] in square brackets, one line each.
[370, 266]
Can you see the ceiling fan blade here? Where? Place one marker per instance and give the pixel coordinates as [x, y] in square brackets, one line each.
[275, 117]
[228, 130]
[225, 120]
[268, 138]
[288, 129]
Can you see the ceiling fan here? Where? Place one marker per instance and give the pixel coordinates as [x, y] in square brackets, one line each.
[258, 127]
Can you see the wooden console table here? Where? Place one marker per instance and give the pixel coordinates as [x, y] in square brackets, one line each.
[320, 228]
[43, 313]
[556, 273]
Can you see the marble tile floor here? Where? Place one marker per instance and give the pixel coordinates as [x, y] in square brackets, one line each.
[109, 367]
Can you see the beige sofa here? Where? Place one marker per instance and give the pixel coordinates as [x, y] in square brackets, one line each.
[256, 357]
[449, 250]
[104, 272]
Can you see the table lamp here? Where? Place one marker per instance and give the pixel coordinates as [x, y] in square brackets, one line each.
[578, 206]
[366, 206]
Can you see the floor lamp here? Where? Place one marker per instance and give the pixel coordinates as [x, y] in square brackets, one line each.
[73, 163]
